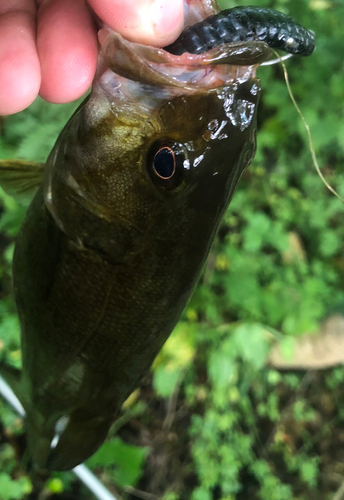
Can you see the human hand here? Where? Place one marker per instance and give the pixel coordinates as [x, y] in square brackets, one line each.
[50, 46]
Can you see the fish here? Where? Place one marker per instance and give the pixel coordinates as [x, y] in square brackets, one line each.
[123, 215]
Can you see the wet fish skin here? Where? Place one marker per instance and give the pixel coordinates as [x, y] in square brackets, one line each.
[105, 265]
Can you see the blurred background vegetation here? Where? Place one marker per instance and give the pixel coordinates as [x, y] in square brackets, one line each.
[215, 420]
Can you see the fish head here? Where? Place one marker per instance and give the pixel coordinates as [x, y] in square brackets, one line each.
[160, 137]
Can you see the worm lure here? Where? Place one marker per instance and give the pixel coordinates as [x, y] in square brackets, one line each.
[245, 24]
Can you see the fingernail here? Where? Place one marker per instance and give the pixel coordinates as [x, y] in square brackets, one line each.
[167, 19]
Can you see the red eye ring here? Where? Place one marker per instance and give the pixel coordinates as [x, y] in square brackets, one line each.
[168, 164]
[164, 163]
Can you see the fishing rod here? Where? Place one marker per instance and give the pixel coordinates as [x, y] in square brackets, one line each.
[81, 471]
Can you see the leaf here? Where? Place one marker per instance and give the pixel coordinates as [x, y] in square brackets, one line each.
[174, 358]
[55, 485]
[124, 460]
[222, 368]
[10, 331]
[252, 341]
[13, 490]
[256, 231]
[165, 380]
[201, 494]
[330, 243]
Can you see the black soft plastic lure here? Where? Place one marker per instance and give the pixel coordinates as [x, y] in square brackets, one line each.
[245, 24]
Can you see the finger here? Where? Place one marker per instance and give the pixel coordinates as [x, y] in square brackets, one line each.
[152, 22]
[19, 64]
[67, 48]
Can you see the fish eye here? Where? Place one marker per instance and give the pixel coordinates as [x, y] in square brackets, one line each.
[164, 163]
[167, 164]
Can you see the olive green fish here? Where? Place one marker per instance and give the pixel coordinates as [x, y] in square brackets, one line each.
[125, 210]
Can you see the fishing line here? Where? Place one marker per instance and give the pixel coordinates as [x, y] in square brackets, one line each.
[309, 135]
[275, 61]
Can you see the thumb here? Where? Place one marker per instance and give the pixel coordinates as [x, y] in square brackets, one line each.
[151, 22]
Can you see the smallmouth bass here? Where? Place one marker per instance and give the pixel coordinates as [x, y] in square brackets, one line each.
[126, 209]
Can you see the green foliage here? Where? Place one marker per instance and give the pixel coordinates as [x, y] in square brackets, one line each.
[55, 485]
[10, 488]
[31, 134]
[174, 359]
[271, 486]
[123, 462]
[277, 262]
[13, 489]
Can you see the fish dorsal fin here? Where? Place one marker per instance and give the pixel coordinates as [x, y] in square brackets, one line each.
[21, 179]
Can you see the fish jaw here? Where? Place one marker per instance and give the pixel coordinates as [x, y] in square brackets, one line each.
[185, 73]
[188, 72]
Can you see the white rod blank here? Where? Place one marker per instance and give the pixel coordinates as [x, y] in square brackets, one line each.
[81, 471]
[10, 397]
[92, 483]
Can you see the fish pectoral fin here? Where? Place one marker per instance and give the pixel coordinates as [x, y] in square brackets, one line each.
[21, 179]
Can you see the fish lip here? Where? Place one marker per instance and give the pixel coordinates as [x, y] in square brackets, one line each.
[187, 72]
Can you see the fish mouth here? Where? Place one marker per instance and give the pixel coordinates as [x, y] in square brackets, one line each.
[226, 63]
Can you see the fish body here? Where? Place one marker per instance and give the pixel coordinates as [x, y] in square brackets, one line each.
[97, 300]
[119, 229]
